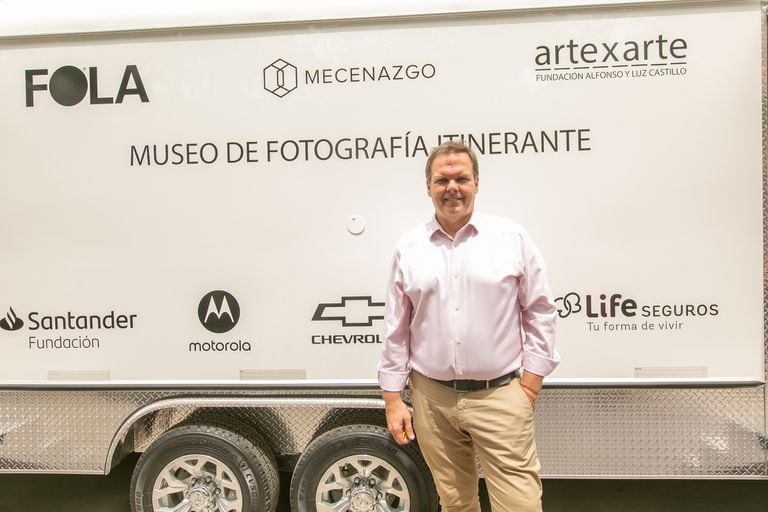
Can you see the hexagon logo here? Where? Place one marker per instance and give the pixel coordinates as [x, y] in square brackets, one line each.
[280, 78]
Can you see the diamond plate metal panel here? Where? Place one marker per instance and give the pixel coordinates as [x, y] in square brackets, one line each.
[73, 430]
[581, 432]
[651, 432]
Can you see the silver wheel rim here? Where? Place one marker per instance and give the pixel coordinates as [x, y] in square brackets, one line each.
[197, 483]
[362, 483]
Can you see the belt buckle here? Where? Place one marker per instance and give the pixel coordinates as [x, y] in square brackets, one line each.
[457, 389]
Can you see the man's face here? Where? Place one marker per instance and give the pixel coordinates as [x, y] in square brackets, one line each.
[452, 187]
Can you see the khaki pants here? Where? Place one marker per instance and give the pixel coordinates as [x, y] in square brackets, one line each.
[494, 426]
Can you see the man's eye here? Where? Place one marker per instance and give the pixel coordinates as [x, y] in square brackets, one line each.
[463, 180]
[441, 181]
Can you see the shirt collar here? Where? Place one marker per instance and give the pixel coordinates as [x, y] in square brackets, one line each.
[433, 226]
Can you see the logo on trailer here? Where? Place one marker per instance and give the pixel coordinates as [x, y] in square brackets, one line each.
[357, 311]
[616, 305]
[567, 304]
[280, 78]
[218, 311]
[11, 322]
[69, 85]
[574, 59]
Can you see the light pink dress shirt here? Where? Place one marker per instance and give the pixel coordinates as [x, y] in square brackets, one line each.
[476, 306]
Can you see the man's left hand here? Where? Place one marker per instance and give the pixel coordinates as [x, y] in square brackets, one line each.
[531, 384]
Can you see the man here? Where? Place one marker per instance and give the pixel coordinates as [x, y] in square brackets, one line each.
[470, 320]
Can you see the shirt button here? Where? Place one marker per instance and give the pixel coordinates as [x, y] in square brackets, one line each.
[455, 276]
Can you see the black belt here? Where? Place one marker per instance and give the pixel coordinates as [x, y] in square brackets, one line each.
[476, 385]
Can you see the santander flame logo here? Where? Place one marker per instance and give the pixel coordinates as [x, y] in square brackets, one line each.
[11, 322]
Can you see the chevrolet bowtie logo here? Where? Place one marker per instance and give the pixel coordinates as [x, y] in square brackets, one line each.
[352, 311]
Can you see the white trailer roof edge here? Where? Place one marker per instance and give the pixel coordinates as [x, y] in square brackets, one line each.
[23, 19]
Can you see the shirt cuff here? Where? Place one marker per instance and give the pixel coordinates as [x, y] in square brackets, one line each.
[540, 365]
[392, 381]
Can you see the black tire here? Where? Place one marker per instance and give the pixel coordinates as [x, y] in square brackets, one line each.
[174, 468]
[334, 466]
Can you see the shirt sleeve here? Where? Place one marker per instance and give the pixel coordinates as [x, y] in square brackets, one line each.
[538, 313]
[393, 366]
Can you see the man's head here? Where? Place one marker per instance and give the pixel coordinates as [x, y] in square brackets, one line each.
[452, 181]
[452, 146]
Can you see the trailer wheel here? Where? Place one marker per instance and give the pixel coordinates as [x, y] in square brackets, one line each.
[199, 468]
[359, 468]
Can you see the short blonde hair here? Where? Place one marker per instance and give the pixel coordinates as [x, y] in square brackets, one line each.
[452, 146]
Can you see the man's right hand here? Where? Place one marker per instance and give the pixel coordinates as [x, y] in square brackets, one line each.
[398, 418]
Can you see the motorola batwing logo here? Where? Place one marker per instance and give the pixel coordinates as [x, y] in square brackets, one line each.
[351, 311]
[218, 311]
[11, 322]
[280, 78]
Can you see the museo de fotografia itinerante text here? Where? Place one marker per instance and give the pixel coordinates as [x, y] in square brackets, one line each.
[407, 145]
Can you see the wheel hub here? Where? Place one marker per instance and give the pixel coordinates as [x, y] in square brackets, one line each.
[199, 498]
[362, 500]
[202, 495]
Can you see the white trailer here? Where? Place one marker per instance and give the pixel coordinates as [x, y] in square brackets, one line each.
[198, 207]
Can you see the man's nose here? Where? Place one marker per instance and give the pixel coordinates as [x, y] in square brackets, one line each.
[452, 185]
